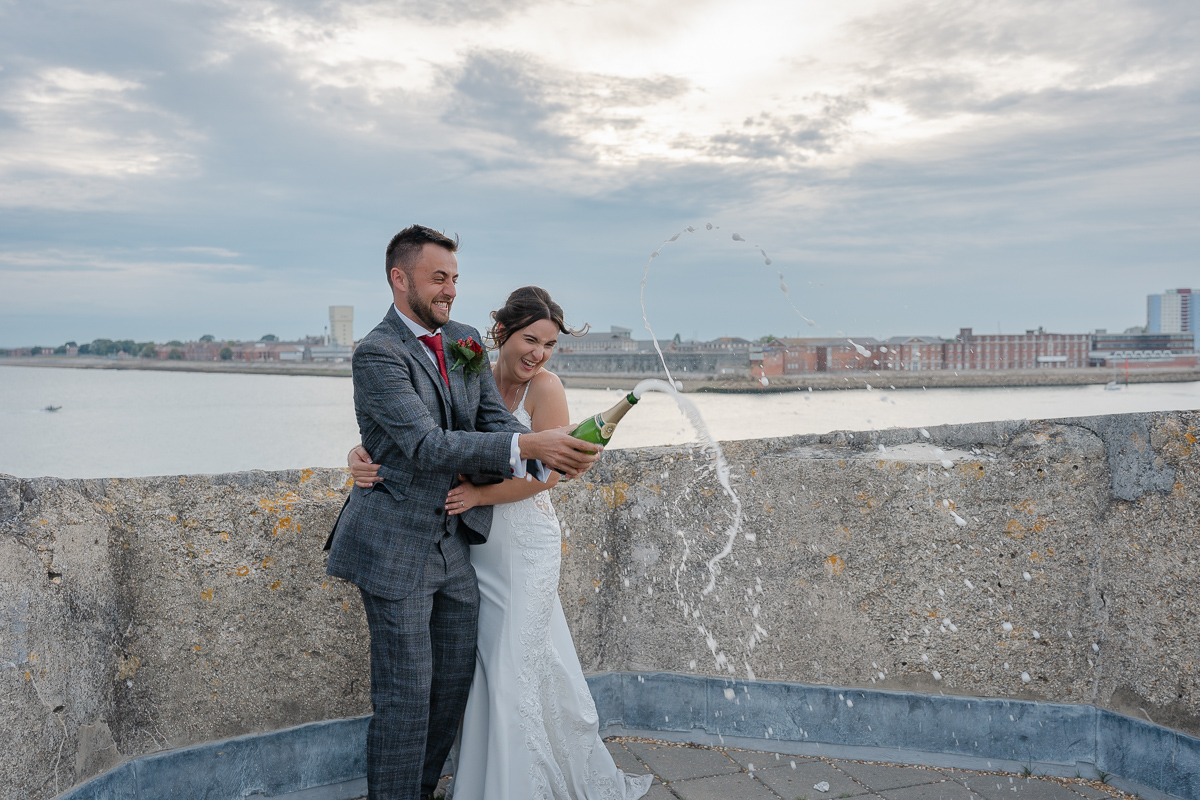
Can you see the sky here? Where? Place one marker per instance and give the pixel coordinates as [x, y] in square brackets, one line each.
[176, 168]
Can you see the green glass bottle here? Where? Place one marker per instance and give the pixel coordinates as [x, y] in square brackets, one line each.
[599, 429]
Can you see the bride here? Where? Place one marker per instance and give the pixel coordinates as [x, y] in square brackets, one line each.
[530, 729]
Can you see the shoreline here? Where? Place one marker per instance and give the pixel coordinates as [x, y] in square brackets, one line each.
[939, 379]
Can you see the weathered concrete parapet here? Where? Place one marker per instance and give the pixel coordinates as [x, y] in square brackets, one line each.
[900, 568]
[154, 613]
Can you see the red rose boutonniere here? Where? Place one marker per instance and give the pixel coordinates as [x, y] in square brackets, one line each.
[469, 355]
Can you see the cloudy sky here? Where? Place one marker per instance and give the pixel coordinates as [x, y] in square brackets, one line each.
[177, 168]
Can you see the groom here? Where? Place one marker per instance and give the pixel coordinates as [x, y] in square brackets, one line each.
[425, 419]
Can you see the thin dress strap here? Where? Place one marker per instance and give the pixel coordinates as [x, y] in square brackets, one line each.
[524, 395]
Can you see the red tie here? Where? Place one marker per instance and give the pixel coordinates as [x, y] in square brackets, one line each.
[434, 342]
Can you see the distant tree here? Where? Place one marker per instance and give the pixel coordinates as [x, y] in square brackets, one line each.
[270, 337]
[208, 337]
[126, 346]
[35, 351]
[61, 350]
[175, 355]
[3, 353]
[766, 339]
[1136, 329]
[226, 353]
[70, 344]
[677, 339]
[174, 343]
[148, 350]
[85, 349]
[102, 347]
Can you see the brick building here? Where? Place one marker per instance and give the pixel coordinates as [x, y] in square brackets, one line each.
[797, 356]
[1031, 350]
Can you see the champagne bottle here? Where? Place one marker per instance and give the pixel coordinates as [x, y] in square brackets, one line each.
[599, 429]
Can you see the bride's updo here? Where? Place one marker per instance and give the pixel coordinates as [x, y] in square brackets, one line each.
[525, 306]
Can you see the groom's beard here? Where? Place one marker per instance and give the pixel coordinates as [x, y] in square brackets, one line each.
[424, 311]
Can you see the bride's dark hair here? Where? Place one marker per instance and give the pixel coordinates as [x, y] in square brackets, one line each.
[525, 306]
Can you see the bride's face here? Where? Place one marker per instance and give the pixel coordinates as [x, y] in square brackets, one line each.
[528, 350]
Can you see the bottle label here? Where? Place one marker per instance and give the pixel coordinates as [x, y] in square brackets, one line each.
[607, 429]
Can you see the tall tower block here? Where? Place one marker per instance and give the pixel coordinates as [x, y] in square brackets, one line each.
[341, 326]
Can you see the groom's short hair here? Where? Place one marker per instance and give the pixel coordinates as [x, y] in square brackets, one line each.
[405, 248]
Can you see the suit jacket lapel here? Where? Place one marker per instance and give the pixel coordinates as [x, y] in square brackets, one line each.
[421, 356]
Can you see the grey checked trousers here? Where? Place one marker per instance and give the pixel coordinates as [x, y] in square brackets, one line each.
[422, 664]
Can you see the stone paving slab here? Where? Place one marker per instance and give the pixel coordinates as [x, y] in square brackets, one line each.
[1001, 787]
[673, 763]
[792, 783]
[946, 790]
[762, 760]
[625, 760]
[738, 786]
[879, 776]
[659, 792]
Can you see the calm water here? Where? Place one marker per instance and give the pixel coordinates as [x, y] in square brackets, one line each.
[127, 423]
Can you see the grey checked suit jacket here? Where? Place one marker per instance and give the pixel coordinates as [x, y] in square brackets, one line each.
[423, 435]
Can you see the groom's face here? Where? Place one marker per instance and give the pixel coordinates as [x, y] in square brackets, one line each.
[429, 290]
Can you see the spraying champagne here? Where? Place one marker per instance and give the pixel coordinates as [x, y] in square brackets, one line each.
[599, 429]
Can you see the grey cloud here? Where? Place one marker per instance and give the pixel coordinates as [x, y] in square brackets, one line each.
[508, 93]
[794, 138]
[534, 105]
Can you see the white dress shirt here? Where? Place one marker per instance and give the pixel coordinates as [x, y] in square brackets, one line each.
[514, 451]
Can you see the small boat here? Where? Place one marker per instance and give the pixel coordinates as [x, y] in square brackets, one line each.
[1112, 386]
[52, 408]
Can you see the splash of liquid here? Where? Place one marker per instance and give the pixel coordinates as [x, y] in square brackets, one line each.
[671, 387]
[722, 467]
[737, 237]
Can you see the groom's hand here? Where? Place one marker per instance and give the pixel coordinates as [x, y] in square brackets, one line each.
[558, 449]
[366, 474]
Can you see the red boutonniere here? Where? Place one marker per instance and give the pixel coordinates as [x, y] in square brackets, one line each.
[469, 355]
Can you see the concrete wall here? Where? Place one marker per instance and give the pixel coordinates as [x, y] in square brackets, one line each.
[1082, 530]
[151, 613]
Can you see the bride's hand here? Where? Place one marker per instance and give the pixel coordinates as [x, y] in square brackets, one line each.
[462, 497]
[365, 473]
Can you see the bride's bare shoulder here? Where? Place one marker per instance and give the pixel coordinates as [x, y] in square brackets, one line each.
[546, 384]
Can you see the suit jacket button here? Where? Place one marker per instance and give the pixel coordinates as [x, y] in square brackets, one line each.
[437, 511]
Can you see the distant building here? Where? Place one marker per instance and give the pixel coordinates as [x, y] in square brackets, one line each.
[267, 351]
[616, 340]
[332, 352]
[1035, 349]
[914, 353]
[794, 356]
[341, 326]
[1173, 311]
[1143, 350]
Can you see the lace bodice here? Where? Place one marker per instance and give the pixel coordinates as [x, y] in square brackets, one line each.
[541, 500]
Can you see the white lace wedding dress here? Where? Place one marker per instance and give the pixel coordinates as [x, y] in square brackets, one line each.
[530, 731]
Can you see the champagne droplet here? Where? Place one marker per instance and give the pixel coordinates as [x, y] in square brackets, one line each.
[737, 237]
[708, 226]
